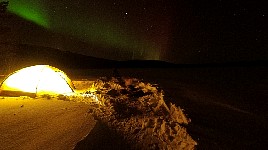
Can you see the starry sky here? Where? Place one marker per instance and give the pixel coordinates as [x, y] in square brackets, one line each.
[179, 31]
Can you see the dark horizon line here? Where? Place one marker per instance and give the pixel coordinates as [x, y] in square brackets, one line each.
[85, 61]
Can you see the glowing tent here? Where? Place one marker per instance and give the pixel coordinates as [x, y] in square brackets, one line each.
[36, 80]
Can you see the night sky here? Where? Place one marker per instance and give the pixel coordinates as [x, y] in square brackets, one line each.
[203, 31]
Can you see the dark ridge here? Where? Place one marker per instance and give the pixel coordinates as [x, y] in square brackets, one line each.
[255, 63]
[145, 64]
[17, 56]
[64, 59]
[21, 55]
[163, 64]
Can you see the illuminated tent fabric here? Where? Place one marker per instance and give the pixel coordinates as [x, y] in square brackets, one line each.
[36, 80]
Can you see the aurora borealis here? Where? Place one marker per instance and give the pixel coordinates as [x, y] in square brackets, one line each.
[177, 31]
[31, 10]
[95, 22]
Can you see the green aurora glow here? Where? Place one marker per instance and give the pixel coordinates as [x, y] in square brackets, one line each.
[95, 29]
[31, 10]
[105, 34]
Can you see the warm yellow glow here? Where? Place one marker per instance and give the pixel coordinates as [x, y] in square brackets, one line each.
[92, 96]
[39, 79]
[23, 80]
[92, 90]
[52, 83]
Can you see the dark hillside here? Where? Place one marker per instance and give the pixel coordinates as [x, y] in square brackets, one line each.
[17, 56]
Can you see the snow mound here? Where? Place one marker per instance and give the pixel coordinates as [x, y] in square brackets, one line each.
[137, 111]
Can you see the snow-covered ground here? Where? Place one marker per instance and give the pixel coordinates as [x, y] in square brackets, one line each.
[32, 124]
[227, 106]
[132, 110]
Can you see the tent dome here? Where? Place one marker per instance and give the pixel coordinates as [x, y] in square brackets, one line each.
[36, 80]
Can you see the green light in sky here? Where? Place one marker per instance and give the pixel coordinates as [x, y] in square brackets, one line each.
[94, 28]
[106, 34]
[30, 10]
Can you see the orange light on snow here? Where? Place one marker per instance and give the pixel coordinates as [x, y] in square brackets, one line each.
[92, 90]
